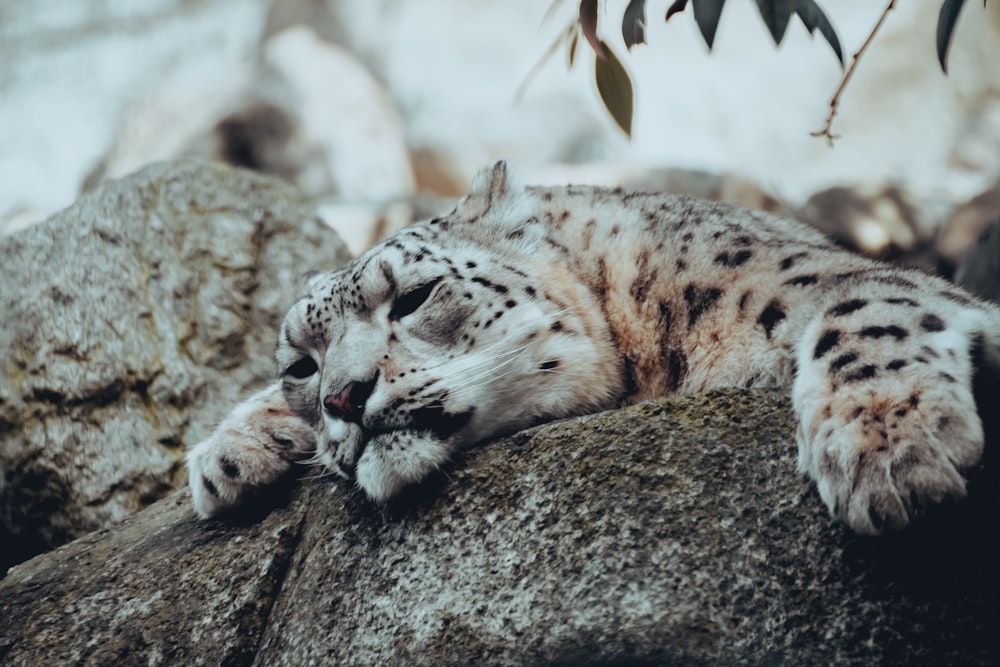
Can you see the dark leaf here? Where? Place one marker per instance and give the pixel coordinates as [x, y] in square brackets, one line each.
[677, 7]
[588, 23]
[776, 14]
[814, 18]
[634, 23]
[615, 87]
[946, 28]
[706, 14]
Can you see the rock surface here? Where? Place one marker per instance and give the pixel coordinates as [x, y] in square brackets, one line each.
[130, 323]
[673, 532]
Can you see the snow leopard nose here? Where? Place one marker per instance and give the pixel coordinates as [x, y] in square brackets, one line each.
[349, 403]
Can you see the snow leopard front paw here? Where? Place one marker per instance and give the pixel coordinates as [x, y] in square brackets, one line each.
[888, 420]
[885, 467]
[253, 447]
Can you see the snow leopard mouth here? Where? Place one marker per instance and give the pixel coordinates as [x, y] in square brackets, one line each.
[433, 420]
[443, 425]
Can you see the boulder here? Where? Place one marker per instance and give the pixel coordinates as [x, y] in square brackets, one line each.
[672, 532]
[131, 322]
[979, 271]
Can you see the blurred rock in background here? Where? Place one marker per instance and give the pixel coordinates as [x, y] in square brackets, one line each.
[980, 269]
[132, 322]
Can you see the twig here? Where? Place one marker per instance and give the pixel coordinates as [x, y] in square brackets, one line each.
[835, 102]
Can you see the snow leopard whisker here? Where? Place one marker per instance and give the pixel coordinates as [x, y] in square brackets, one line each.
[322, 474]
[310, 461]
[483, 377]
[480, 367]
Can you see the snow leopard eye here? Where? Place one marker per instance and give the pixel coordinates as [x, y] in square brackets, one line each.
[410, 301]
[302, 368]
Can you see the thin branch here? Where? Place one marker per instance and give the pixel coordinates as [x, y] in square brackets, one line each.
[835, 102]
[533, 72]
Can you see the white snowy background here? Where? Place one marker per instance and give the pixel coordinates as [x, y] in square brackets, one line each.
[399, 95]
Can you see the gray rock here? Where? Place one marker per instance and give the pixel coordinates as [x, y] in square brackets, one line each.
[130, 323]
[979, 271]
[673, 532]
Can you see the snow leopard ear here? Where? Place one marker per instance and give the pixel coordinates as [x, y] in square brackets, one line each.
[508, 207]
[493, 181]
[491, 187]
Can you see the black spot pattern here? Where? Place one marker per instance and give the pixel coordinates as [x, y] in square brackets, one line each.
[957, 298]
[769, 318]
[588, 233]
[827, 342]
[645, 278]
[700, 300]
[932, 323]
[878, 332]
[230, 469]
[847, 307]
[802, 281]
[842, 361]
[864, 373]
[677, 366]
[789, 262]
[744, 299]
[735, 259]
[485, 282]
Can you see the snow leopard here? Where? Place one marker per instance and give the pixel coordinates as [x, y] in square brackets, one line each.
[527, 304]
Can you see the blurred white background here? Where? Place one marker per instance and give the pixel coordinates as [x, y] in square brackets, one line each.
[369, 104]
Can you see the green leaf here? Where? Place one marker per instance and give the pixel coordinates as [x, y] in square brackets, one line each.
[588, 23]
[946, 29]
[634, 23]
[706, 14]
[776, 14]
[814, 18]
[677, 7]
[572, 47]
[615, 87]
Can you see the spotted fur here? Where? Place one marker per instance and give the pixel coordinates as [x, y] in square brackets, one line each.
[529, 304]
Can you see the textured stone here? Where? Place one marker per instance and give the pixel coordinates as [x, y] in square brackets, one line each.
[979, 271]
[673, 532]
[131, 322]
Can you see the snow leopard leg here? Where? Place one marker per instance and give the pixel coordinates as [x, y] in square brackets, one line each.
[254, 446]
[884, 397]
